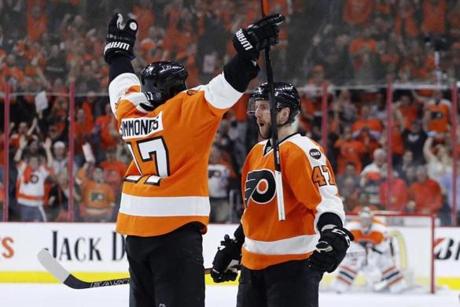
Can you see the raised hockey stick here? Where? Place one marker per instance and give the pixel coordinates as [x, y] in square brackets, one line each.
[265, 6]
[68, 279]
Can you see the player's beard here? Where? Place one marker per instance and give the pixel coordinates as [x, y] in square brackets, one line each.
[265, 131]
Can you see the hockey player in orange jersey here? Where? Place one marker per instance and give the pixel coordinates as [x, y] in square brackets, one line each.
[282, 262]
[370, 254]
[169, 130]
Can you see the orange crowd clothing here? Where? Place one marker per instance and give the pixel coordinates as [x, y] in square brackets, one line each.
[98, 199]
[115, 165]
[375, 234]
[373, 124]
[145, 19]
[36, 26]
[166, 184]
[434, 16]
[359, 44]
[405, 22]
[397, 144]
[427, 196]
[350, 151]
[309, 190]
[438, 119]
[108, 131]
[356, 12]
[409, 114]
[399, 195]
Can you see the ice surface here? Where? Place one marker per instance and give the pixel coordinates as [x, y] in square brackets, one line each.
[53, 295]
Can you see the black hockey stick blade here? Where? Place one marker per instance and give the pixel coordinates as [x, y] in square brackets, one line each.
[66, 278]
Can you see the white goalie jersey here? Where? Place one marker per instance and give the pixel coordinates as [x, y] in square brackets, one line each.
[371, 254]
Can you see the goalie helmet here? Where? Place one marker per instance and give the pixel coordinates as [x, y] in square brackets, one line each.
[366, 217]
[163, 80]
[285, 94]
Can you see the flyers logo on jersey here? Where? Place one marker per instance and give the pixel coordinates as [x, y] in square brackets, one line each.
[131, 128]
[260, 186]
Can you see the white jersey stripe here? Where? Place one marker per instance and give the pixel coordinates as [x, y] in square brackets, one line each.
[164, 206]
[295, 245]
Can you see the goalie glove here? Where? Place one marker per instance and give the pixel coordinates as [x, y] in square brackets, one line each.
[331, 249]
[120, 38]
[227, 260]
[248, 42]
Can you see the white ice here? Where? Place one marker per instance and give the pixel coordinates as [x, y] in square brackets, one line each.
[53, 295]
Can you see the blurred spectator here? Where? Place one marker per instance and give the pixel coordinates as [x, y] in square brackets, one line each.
[30, 188]
[406, 163]
[348, 186]
[36, 20]
[373, 126]
[98, 199]
[425, 194]
[350, 151]
[59, 164]
[372, 177]
[414, 138]
[57, 209]
[434, 16]
[438, 159]
[23, 131]
[399, 194]
[218, 179]
[447, 185]
[105, 129]
[405, 19]
[406, 110]
[437, 112]
[56, 65]
[357, 12]
[345, 106]
[83, 130]
[114, 170]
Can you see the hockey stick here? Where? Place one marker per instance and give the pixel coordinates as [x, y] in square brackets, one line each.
[274, 130]
[68, 279]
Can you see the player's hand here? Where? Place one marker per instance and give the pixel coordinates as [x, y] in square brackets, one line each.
[263, 33]
[226, 261]
[331, 249]
[120, 38]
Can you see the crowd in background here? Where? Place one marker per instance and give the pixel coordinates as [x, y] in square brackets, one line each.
[47, 45]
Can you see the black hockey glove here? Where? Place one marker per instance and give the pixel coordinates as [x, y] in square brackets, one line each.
[227, 260]
[331, 249]
[248, 42]
[120, 38]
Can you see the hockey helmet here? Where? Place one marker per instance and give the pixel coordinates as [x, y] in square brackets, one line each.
[285, 95]
[163, 80]
[366, 216]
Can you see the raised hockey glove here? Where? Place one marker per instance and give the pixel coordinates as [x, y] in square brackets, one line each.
[248, 42]
[227, 260]
[331, 249]
[120, 38]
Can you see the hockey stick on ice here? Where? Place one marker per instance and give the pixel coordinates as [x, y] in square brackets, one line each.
[68, 279]
[274, 130]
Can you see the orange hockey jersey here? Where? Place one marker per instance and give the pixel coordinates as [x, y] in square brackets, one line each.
[166, 184]
[309, 190]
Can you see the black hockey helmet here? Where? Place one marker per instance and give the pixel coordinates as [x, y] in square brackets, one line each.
[163, 80]
[285, 94]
